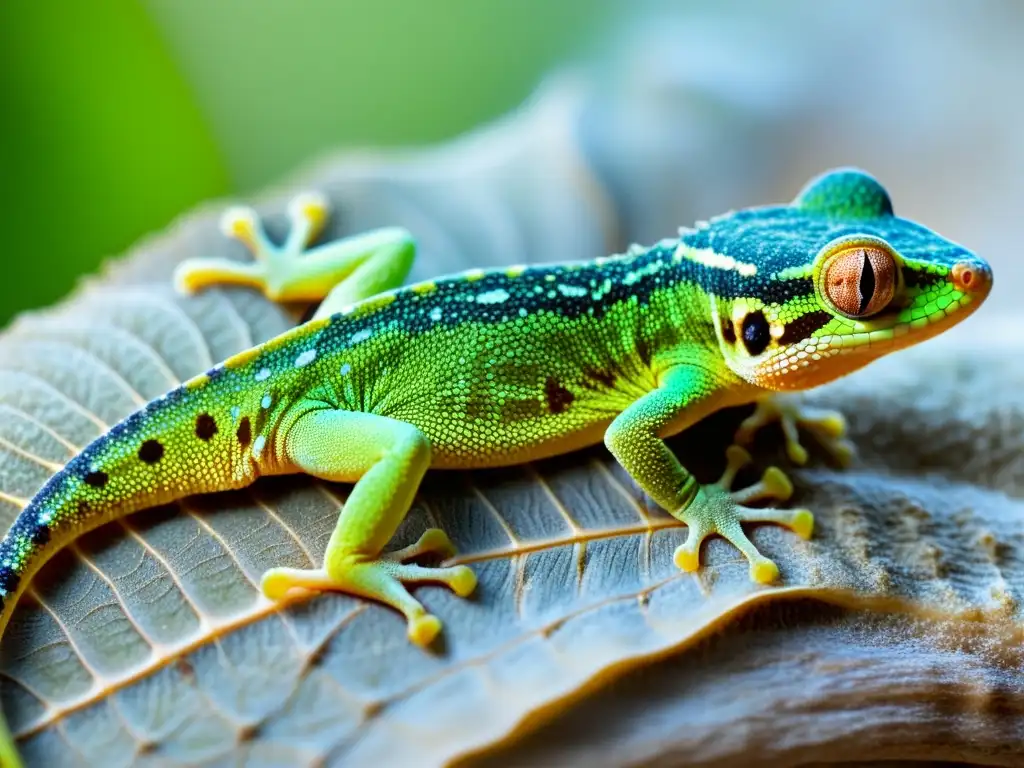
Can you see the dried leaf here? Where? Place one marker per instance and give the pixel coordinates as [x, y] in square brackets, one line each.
[147, 642]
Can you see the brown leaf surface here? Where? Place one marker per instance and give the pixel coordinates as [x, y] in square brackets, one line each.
[147, 642]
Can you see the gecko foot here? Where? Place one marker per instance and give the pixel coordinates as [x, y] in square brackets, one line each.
[718, 509]
[828, 427]
[383, 580]
[273, 270]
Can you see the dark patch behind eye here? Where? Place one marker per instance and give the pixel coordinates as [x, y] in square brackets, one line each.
[755, 333]
[728, 331]
[804, 326]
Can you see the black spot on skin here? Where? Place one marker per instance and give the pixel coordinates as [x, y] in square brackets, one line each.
[8, 580]
[41, 535]
[206, 427]
[244, 433]
[151, 451]
[559, 398]
[96, 479]
[595, 377]
[756, 334]
[83, 507]
[728, 331]
[804, 326]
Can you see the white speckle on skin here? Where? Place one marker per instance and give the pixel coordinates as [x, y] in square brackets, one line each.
[709, 258]
[235, 412]
[523, 312]
[345, 368]
[436, 314]
[45, 517]
[571, 290]
[496, 296]
[265, 402]
[262, 374]
[359, 336]
[305, 358]
[257, 446]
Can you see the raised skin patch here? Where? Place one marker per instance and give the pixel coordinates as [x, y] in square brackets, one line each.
[206, 426]
[559, 398]
[151, 451]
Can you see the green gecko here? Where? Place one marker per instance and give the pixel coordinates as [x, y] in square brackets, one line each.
[491, 368]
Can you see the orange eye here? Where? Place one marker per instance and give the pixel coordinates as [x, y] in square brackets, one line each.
[860, 281]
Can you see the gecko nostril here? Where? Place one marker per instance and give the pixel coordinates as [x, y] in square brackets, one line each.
[971, 276]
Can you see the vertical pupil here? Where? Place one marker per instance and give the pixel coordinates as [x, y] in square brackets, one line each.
[867, 283]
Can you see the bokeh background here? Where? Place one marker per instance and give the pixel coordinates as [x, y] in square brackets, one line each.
[119, 115]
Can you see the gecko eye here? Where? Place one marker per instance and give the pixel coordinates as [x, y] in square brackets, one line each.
[860, 281]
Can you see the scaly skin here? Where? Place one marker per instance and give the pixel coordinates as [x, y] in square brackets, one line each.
[494, 368]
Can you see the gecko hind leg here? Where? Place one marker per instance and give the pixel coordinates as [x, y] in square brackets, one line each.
[339, 273]
[718, 509]
[828, 427]
[386, 459]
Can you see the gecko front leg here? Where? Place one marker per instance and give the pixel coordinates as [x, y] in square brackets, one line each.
[339, 273]
[635, 439]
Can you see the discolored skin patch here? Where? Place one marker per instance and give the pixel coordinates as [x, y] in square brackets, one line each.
[244, 432]
[206, 427]
[96, 479]
[151, 451]
[804, 326]
[559, 398]
[597, 377]
[728, 331]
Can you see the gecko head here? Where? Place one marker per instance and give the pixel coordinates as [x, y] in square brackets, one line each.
[833, 281]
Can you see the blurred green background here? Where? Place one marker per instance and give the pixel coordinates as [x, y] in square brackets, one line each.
[121, 114]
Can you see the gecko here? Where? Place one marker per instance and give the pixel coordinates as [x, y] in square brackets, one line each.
[497, 367]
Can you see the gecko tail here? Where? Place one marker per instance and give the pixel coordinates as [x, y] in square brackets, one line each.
[9, 757]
